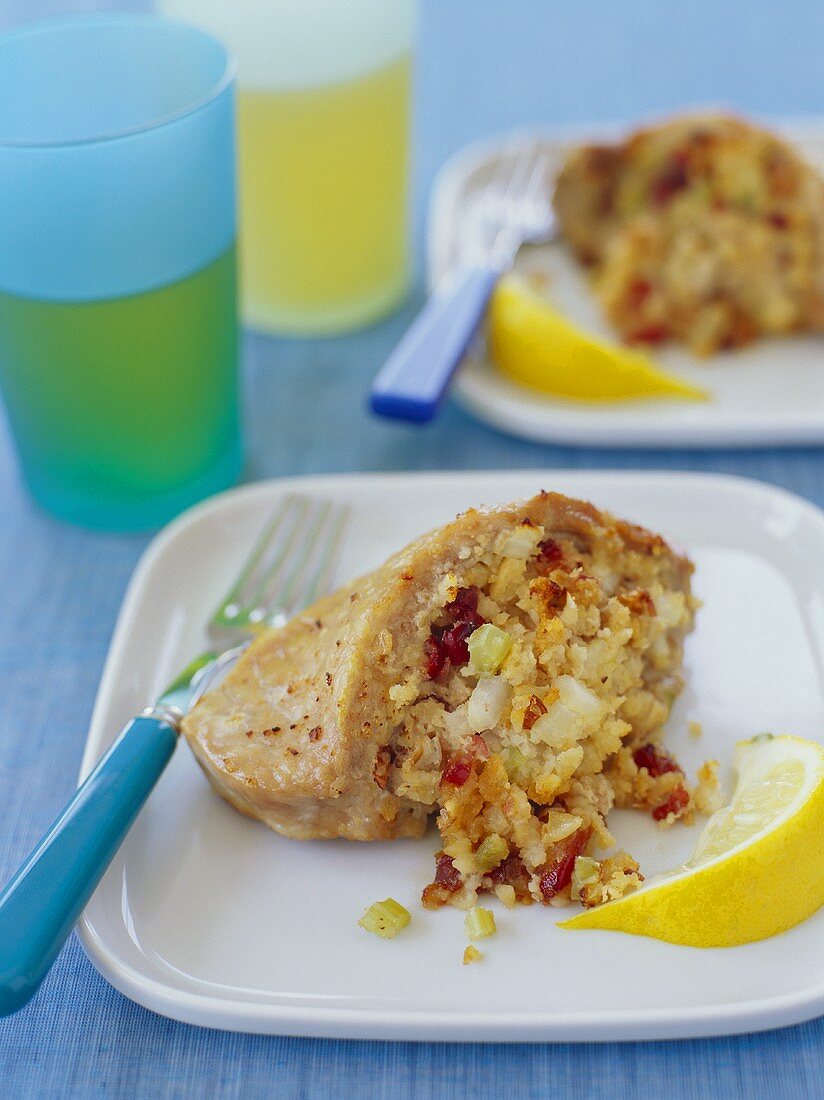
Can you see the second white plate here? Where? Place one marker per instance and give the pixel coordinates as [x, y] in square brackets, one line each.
[769, 394]
[209, 917]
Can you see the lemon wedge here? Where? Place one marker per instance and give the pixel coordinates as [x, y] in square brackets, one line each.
[534, 344]
[758, 868]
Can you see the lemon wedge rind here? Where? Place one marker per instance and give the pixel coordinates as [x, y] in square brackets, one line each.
[768, 880]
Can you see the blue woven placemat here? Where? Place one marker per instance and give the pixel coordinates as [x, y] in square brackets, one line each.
[484, 66]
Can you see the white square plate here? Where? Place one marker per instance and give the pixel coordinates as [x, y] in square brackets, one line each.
[209, 917]
[769, 394]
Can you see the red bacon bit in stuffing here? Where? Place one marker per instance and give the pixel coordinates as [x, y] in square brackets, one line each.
[511, 872]
[649, 334]
[465, 604]
[672, 180]
[454, 641]
[656, 761]
[459, 766]
[557, 872]
[550, 553]
[675, 804]
[447, 882]
[446, 873]
[534, 709]
[637, 292]
[434, 657]
[449, 643]
[458, 769]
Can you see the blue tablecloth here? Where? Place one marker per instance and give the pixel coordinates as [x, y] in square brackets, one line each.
[484, 66]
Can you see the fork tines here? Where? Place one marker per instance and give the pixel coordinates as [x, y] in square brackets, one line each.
[290, 566]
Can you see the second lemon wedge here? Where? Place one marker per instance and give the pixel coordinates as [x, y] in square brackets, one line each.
[758, 868]
[534, 344]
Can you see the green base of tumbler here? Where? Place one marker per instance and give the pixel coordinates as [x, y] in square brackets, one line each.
[110, 513]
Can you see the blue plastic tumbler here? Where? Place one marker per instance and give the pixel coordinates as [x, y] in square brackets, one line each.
[118, 320]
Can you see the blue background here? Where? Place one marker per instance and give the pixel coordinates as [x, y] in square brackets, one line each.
[484, 65]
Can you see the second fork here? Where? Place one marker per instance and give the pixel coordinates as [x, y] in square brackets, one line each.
[512, 210]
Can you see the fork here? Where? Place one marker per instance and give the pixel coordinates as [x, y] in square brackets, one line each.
[512, 210]
[291, 564]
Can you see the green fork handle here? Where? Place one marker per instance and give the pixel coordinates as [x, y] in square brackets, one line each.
[41, 904]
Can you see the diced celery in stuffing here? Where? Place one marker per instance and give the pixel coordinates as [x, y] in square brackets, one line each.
[584, 873]
[479, 923]
[492, 850]
[488, 647]
[385, 918]
[516, 766]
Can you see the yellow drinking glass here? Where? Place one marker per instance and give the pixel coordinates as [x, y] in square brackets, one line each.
[324, 90]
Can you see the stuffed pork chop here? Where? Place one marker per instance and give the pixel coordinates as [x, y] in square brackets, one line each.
[509, 671]
[703, 228]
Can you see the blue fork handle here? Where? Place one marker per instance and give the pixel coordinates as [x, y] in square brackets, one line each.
[40, 905]
[415, 377]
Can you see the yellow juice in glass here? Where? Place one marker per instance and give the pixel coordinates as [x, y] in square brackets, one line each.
[323, 194]
[323, 113]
